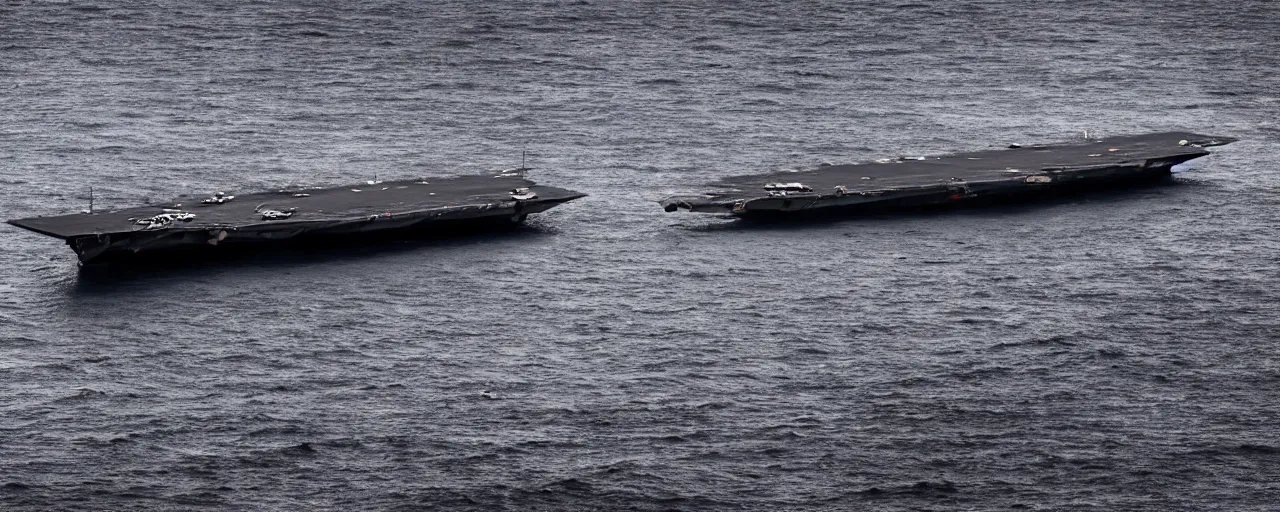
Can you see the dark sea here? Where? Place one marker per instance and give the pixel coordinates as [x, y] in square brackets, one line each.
[1115, 351]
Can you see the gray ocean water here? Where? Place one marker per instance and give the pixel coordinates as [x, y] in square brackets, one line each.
[1105, 352]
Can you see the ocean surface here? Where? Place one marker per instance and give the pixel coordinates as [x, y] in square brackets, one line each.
[1117, 351]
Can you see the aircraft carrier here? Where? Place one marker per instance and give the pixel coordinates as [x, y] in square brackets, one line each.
[337, 214]
[1014, 172]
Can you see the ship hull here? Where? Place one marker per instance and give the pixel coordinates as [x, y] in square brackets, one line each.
[941, 197]
[963, 179]
[143, 246]
[323, 216]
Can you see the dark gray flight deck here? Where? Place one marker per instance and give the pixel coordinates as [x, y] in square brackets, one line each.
[371, 207]
[955, 178]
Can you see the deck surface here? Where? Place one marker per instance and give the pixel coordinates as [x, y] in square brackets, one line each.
[975, 166]
[321, 204]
